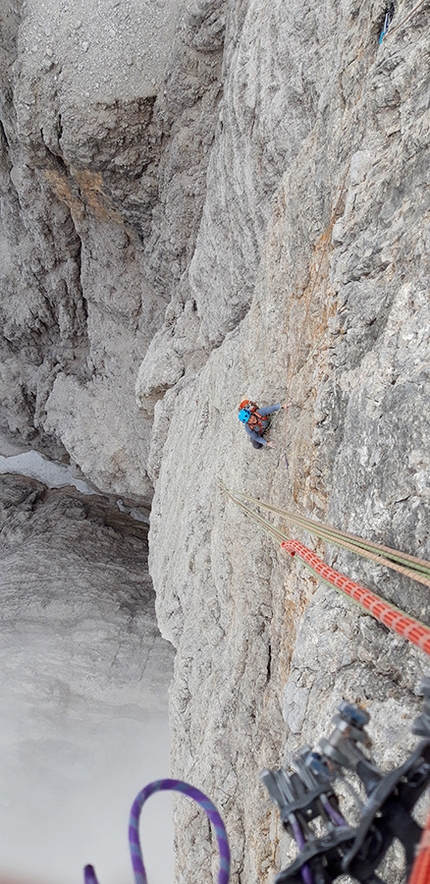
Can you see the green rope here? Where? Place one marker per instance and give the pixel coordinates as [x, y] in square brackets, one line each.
[279, 535]
[270, 529]
[410, 566]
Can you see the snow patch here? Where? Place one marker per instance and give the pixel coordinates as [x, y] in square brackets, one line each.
[35, 466]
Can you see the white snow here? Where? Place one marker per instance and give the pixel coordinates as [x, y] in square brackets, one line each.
[35, 466]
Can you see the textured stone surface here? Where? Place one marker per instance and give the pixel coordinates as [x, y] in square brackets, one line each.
[256, 227]
[329, 236]
[102, 200]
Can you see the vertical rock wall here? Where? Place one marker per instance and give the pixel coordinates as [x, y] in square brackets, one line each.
[251, 224]
[102, 185]
[309, 277]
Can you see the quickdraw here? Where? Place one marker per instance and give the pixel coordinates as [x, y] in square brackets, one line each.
[306, 798]
[387, 22]
[307, 795]
[389, 13]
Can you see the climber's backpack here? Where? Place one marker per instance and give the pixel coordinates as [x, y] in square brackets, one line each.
[255, 422]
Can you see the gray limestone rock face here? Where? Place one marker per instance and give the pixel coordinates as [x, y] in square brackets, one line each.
[329, 236]
[102, 181]
[253, 224]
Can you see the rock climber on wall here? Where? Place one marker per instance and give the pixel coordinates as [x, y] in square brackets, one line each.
[257, 421]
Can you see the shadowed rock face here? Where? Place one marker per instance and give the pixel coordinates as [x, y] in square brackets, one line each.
[102, 198]
[255, 226]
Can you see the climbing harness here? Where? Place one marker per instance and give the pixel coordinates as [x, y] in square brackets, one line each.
[133, 830]
[259, 423]
[394, 618]
[389, 13]
[307, 796]
[255, 421]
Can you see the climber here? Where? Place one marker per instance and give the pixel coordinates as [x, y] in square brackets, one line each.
[256, 421]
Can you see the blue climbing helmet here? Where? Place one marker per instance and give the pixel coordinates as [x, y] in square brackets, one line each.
[244, 415]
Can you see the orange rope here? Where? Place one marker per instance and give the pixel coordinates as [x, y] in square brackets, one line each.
[389, 615]
[421, 869]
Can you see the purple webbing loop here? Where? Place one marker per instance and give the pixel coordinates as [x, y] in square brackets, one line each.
[133, 830]
[305, 871]
[334, 815]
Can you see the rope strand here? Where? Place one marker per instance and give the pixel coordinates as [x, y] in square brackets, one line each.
[394, 618]
[366, 548]
[421, 868]
[134, 838]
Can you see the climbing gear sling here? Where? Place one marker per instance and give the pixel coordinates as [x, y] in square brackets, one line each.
[308, 794]
[389, 13]
[404, 20]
